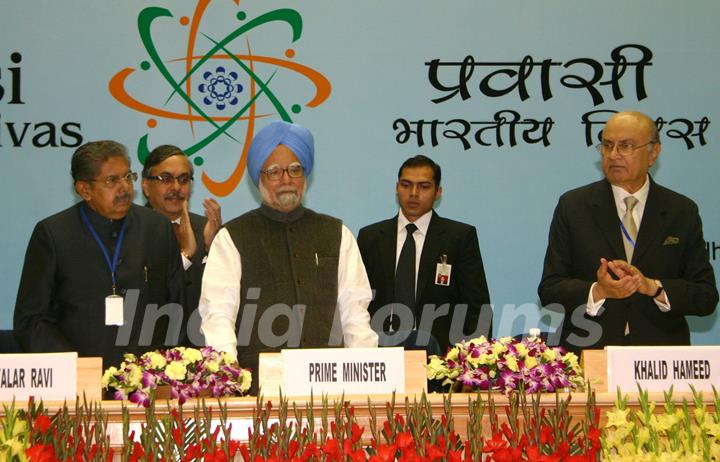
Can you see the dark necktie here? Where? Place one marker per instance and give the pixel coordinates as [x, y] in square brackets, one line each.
[405, 271]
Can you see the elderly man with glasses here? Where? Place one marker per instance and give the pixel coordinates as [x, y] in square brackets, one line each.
[96, 273]
[282, 275]
[167, 185]
[626, 258]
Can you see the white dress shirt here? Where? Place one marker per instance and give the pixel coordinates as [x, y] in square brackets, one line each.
[619, 194]
[220, 296]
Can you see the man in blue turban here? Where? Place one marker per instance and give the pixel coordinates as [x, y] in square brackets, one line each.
[282, 275]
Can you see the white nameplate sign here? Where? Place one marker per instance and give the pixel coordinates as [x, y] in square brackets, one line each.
[656, 368]
[47, 376]
[353, 371]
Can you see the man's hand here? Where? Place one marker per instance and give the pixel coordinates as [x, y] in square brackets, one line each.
[647, 286]
[214, 221]
[184, 233]
[626, 284]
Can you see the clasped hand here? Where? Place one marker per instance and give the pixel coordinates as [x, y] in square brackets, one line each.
[620, 279]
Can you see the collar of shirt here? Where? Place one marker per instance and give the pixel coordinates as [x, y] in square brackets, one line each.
[422, 224]
[641, 195]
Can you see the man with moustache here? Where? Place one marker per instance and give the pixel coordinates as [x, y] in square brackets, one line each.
[286, 276]
[626, 257]
[167, 179]
[96, 273]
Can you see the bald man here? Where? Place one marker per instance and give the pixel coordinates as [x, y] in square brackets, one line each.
[626, 257]
[282, 275]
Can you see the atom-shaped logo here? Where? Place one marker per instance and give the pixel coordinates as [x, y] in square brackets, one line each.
[221, 88]
[223, 80]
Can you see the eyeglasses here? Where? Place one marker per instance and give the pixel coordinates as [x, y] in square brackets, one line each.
[113, 180]
[624, 149]
[276, 173]
[168, 179]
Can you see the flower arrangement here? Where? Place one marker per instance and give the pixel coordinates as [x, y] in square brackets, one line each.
[188, 371]
[677, 432]
[506, 364]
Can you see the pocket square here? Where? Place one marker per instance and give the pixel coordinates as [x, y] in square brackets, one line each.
[671, 240]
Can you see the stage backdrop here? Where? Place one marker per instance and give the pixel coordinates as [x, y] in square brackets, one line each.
[507, 96]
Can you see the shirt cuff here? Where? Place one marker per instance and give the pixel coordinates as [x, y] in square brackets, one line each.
[592, 307]
[186, 261]
[664, 303]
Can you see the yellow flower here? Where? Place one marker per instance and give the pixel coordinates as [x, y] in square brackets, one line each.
[498, 348]
[664, 422]
[212, 366]
[486, 358]
[191, 355]
[521, 349]
[530, 362]
[452, 354]
[436, 369]
[227, 358]
[512, 363]
[129, 357]
[19, 427]
[176, 370]
[157, 361]
[618, 418]
[246, 380]
[572, 360]
[108, 375]
[505, 340]
[643, 436]
[17, 449]
[550, 354]
[713, 429]
[134, 376]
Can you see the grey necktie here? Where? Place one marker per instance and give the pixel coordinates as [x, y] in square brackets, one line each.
[629, 224]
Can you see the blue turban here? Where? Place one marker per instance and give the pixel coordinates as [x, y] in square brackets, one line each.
[297, 138]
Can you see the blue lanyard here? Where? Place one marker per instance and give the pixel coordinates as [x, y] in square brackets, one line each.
[116, 254]
[627, 235]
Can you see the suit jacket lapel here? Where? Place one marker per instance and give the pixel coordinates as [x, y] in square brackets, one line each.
[652, 224]
[428, 258]
[606, 218]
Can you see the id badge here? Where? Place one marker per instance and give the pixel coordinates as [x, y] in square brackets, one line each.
[442, 273]
[114, 310]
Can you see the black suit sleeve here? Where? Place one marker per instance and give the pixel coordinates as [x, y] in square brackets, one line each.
[559, 283]
[471, 281]
[35, 318]
[694, 292]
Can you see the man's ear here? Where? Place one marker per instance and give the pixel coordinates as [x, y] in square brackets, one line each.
[145, 187]
[83, 189]
[438, 192]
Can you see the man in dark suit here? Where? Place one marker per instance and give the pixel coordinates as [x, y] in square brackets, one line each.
[103, 277]
[427, 272]
[167, 183]
[626, 257]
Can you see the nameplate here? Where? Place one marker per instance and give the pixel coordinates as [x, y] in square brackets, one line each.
[657, 368]
[47, 376]
[353, 371]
